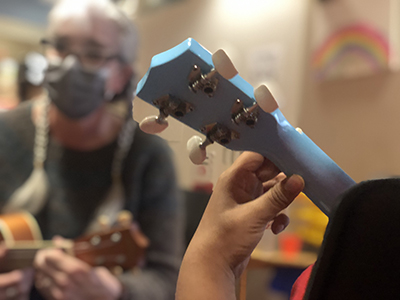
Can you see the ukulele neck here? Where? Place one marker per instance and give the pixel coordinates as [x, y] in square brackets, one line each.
[20, 254]
[295, 153]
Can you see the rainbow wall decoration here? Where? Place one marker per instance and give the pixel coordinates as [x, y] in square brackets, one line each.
[352, 51]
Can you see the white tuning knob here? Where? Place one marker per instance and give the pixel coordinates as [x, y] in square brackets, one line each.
[223, 64]
[197, 153]
[265, 99]
[103, 222]
[125, 218]
[153, 124]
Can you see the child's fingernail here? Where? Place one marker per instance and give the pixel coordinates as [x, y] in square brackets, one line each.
[293, 184]
[279, 228]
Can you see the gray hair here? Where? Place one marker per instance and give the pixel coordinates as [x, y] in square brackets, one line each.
[83, 9]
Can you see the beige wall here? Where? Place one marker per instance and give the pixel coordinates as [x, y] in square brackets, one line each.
[17, 38]
[356, 122]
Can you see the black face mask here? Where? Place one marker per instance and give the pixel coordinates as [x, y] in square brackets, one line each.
[75, 91]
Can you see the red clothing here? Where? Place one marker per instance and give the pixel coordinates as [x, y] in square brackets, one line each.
[300, 285]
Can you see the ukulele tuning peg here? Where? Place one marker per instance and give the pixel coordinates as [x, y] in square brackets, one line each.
[153, 124]
[197, 149]
[224, 65]
[248, 116]
[203, 82]
[167, 105]
[265, 99]
[208, 82]
[125, 218]
[103, 222]
[215, 133]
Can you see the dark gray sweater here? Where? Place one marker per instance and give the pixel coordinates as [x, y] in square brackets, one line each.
[79, 181]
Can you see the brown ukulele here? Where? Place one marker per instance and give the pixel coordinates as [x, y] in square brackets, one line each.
[122, 246]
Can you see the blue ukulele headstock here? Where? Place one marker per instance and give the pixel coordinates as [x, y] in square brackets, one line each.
[205, 92]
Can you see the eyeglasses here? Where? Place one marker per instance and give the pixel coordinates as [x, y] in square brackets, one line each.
[89, 57]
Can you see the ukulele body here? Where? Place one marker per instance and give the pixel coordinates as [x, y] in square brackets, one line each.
[19, 226]
[121, 247]
[20, 232]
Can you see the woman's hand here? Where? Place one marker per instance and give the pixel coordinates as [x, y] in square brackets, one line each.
[16, 284]
[63, 277]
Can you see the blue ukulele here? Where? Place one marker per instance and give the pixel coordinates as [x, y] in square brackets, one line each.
[205, 92]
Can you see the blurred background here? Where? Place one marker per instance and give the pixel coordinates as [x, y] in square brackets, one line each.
[332, 65]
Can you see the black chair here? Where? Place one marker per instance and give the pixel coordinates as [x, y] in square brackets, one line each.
[360, 255]
[195, 203]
